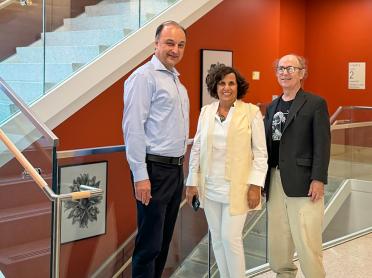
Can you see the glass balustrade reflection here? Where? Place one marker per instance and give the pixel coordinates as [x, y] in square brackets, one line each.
[40, 53]
[25, 211]
[105, 239]
[93, 231]
[20, 26]
[349, 192]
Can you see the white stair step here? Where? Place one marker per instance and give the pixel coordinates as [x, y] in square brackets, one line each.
[59, 54]
[83, 38]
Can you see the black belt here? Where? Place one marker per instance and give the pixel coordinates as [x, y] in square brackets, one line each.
[165, 159]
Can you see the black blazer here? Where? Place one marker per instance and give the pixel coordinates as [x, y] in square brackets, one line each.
[304, 149]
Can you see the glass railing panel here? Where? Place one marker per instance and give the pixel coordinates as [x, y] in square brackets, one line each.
[21, 25]
[360, 149]
[24, 206]
[40, 53]
[25, 222]
[93, 230]
[351, 141]
[30, 136]
[342, 115]
[351, 114]
[254, 242]
[78, 34]
[361, 114]
[341, 157]
[103, 247]
[188, 255]
[255, 238]
[150, 8]
[350, 176]
[361, 143]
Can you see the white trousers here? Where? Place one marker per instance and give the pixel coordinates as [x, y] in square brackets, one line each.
[226, 231]
[295, 223]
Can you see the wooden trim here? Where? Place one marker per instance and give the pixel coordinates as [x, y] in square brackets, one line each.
[353, 125]
[6, 3]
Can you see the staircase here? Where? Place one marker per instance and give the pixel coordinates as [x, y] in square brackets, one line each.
[254, 240]
[75, 44]
[25, 228]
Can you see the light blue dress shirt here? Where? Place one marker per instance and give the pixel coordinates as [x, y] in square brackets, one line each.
[156, 115]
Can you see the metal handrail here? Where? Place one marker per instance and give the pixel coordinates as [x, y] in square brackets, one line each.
[28, 113]
[350, 125]
[6, 3]
[55, 198]
[38, 179]
[343, 108]
[90, 151]
[97, 150]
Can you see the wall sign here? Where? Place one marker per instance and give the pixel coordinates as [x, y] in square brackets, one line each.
[357, 75]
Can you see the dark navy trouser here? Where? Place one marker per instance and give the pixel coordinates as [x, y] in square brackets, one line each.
[156, 221]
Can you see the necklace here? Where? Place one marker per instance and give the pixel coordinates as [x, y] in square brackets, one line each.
[222, 117]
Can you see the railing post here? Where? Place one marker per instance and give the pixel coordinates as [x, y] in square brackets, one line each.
[56, 237]
[139, 14]
[209, 253]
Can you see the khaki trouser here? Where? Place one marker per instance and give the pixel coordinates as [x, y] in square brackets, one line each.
[295, 224]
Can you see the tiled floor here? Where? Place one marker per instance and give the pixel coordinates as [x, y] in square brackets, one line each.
[348, 260]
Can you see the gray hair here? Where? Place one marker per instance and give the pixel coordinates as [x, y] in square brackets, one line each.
[301, 61]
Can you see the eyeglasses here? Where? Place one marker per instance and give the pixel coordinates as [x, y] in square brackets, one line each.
[289, 69]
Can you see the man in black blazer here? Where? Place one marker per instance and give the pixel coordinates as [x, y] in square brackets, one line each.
[298, 144]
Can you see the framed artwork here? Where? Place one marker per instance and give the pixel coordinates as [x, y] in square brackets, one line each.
[209, 58]
[85, 217]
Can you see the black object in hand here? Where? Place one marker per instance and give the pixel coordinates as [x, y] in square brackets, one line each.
[195, 203]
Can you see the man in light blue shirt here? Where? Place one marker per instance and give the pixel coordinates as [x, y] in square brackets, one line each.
[156, 129]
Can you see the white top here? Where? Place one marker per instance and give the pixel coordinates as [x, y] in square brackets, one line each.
[216, 187]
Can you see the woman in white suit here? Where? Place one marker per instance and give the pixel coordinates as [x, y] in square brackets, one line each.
[228, 165]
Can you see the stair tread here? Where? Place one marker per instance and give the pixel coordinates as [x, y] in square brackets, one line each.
[254, 253]
[31, 210]
[57, 31]
[256, 233]
[25, 251]
[62, 46]
[39, 64]
[20, 180]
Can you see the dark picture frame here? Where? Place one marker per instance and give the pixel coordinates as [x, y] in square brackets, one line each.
[209, 58]
[83, 218]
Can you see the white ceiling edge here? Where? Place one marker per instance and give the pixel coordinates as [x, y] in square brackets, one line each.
[75, 92]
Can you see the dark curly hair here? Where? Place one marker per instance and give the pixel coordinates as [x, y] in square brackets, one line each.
[217, 72]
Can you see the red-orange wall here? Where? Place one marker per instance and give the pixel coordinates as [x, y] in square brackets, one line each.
[292, 27]
[338, 32]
